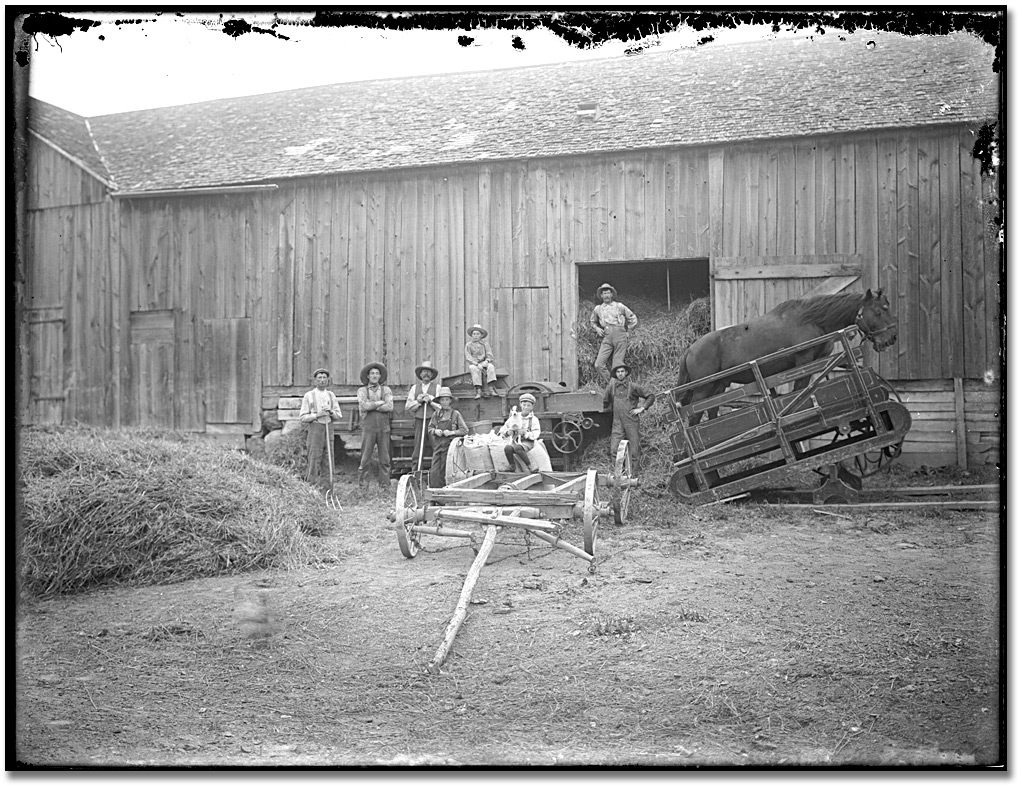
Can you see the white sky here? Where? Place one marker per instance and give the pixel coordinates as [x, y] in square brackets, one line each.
[169, 60]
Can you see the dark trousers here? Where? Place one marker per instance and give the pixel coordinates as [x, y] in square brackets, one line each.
[375, 434]
[626, 427]
[318, 459]
[519, 450]
[438, 469]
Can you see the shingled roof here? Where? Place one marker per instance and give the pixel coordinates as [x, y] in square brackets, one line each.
[711, 94]
[68, 132]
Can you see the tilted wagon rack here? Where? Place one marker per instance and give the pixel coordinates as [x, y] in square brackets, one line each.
[847, 419]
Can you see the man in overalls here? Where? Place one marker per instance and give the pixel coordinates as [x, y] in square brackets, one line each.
[421, 404]
[629, 400]
[375, 403]
[612, 321]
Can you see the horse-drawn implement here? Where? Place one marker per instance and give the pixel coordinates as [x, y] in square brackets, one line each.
[837, 415]
[542, 504]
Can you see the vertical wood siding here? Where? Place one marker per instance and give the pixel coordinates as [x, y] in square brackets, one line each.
[340, 270]
[55, 181]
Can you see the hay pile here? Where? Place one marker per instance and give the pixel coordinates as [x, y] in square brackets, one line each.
[139, 507]
[654, 353]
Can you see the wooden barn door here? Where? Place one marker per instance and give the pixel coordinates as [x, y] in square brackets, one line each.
[153, 369]
[521, 336]
[45, 365]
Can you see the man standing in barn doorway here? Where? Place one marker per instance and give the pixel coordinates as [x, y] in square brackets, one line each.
[375, 403]
[629, 400]
[612, 321]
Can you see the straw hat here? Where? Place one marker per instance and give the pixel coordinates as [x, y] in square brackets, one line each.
[426, 365]
[599, 292]
[480, 328]
[444, 393]
[364, 373]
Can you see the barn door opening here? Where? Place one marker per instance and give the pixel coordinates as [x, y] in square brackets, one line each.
[671, 284]
[659, 292]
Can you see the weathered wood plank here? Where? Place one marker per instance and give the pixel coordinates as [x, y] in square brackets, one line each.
[636, 211]
[845, 196]
[376, 271]
[826, 198]
[764, 267]
[805, 199]
[930, 260]
[715, 209]
[908, 258]
[952, 358]
[652, 229]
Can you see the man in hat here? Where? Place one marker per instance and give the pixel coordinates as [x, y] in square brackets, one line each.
[444, 426]
[319, 408]
[375, 403]
[612, 321]
[629, 400]
[421, 403]
[523, 431]
[480, 360]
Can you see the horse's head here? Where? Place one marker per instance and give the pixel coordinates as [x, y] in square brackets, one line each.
[876, 321]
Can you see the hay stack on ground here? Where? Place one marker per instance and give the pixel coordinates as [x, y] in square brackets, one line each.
[139, 507]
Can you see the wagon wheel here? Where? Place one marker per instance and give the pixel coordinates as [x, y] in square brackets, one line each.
[567, 436]
[590, 514]
[405, 506]
[622, 476]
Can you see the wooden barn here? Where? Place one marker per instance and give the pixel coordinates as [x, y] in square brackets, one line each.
[188, 267]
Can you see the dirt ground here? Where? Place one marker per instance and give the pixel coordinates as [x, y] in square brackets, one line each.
[734, 635]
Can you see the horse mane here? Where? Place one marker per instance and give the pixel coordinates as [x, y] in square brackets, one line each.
[823, 310]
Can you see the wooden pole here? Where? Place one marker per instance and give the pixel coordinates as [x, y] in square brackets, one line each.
[461, 610]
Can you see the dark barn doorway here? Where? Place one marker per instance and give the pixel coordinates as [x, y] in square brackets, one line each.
[672, 282]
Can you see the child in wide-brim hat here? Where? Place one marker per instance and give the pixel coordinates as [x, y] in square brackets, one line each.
[479, 357]
[444, 427]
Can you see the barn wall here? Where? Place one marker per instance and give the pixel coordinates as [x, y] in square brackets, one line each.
[217, 299]
[56, 181]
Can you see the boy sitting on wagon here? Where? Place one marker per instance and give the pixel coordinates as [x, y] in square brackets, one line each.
[524, 429]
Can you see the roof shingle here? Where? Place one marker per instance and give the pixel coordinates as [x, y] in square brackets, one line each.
[709, 95]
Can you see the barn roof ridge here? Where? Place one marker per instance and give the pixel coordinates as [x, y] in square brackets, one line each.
[722, 94]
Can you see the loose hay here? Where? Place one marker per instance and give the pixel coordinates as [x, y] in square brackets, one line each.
[133, 507]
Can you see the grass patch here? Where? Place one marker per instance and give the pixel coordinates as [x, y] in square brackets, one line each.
[140, 507]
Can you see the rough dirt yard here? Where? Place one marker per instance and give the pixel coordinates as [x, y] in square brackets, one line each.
[730, 635]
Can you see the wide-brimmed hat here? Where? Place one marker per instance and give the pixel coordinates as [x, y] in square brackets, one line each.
[426, 365]
[444, 393]
[625, 366]
[599, 292]
[527, 397]
[364, 373]
[480, 328]
[319, 371]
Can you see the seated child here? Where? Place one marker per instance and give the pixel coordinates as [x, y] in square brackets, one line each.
[480, 361]
[523, 429]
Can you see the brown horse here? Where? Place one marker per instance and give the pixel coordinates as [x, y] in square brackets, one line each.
[790, 323]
